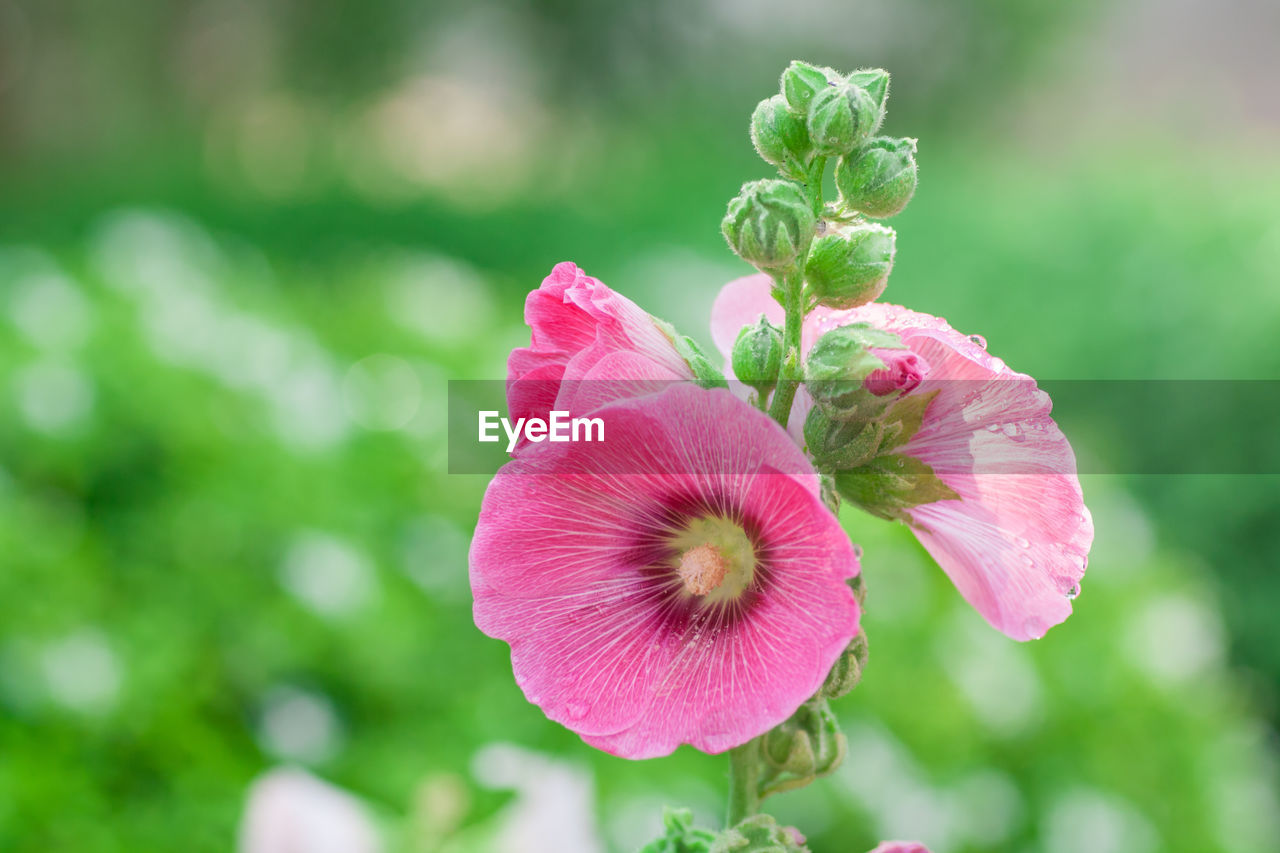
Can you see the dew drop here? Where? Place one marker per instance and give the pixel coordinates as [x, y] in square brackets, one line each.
[1073, 592]
[1028, 562]
[1014, 432]
[993, 427]
[577, 710]
[857, 551]
[1023, 542]
[979, 340]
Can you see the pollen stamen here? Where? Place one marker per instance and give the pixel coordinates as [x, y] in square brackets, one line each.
[702, 569]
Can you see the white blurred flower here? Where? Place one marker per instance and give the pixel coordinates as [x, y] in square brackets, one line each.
[994, 675]
[81, 672]
[328, 575]
[298, 725]
[1085, 819]
[291, 811]
[53, 397]
[48, 308]
[382, 392]
[554, 809]
[1175, 638]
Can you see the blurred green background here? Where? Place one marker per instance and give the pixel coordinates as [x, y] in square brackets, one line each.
[244, 245]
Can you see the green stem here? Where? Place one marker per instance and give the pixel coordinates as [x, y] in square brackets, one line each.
[744, 781]
[791, 374]
[814, 184]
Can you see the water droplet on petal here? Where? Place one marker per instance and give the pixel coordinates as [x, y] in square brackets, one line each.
[577, 710]
[1073, 592]
[857, 551]
[1023, 542]
[1028, 562]
[993, 427]
[979, 340]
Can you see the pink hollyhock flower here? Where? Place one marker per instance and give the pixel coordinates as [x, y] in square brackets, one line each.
[680, 582]
[900, 847]
[588, 346]
[1017, 541]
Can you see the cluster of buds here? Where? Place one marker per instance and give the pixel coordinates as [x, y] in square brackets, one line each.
[777, 225]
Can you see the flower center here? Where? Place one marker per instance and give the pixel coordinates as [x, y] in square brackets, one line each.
[702, 568]
[713, 558]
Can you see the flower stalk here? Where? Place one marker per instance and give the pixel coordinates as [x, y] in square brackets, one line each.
[744, 782]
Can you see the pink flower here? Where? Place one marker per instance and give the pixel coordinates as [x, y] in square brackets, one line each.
[900, 847]
[680, 582]
[1017, 542]
[903, 370]
[589, 346]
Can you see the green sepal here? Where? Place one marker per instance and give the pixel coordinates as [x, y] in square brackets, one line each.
[679, 835]
[759, 833]
[706, 374]
[889, 485]
[801, 81]
[876, 83]
[904, 418]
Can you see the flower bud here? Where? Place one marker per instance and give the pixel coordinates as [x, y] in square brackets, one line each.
[840, 360]
[801, 81]
[838, 439]
[848, 267]
[876, 82]
[757, 355]
[847, 672]
[840, 117]
[879, 178]
[806, 745]
[780, 137]
[769, 223]
[902, 372]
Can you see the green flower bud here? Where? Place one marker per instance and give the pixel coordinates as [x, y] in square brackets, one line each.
[781, 138]
[757, 355]
[840, 439]
[840, 117]
[848, 267]
[769, 224]
[876, 82]
[801, 81]
[806, 745]
[879, 178]
[847, 672]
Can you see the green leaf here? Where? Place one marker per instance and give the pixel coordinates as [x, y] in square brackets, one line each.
[889, 485]
[679, 834]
